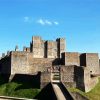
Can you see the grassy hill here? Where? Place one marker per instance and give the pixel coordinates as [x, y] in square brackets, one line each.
[13, 89]
[94, 94]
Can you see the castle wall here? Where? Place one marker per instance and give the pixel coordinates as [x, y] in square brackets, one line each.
[37, 47]
[90, 60]
[47, 49]
[70, 58]
[67, 76]
[45, 79]
[83, 79]
[89, 82]
[51, 49]
[19, 63]
[79, 77]
[26, 49]
[61, 45]
[25, 63]
[5, 65]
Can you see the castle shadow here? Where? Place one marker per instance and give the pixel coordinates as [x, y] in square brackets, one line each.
[57, 61]
[79, 77]
[27, 81]
[47, 93]
[4, 78]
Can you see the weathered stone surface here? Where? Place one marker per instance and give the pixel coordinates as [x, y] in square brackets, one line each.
[45, 79]
[90, 60]
[47, 49]
[68, 76]
[71, 58]
[89, 82]
[25, 63]
[61, 45]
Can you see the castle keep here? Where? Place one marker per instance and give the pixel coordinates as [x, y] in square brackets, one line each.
[50, 59]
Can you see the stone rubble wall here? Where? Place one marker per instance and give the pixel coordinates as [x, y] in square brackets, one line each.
[24, 63]
[90, 60]
[89, 82]
[45, 79]
[67, 78]
[71, 58]
[78, 77]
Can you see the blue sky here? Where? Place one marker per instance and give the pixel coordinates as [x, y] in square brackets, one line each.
[76, 20]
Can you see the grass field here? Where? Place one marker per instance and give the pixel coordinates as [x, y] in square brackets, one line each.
[12, 89]
[94, 94]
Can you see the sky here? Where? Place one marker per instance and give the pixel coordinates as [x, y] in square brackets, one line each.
[76, 20]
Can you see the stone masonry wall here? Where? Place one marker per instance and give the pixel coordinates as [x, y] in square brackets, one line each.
[79, 77]
[89, 82]
[90, 60]
[51, 49]
[37, 47]
[24, 63]
[61, 46]
[47, 49]
[45, 79]
[67, 76]
[71, 58]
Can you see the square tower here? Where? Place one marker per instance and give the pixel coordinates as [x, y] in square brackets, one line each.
[37, 47]
[61, 45]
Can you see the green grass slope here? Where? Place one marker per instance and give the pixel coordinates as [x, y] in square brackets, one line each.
[94, 94]
[12, 89]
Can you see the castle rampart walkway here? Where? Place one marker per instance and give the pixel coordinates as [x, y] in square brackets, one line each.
[60, 92]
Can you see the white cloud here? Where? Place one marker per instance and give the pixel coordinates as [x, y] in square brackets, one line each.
[26, 19]
[47, 22]
[40, 21]
[56, 23]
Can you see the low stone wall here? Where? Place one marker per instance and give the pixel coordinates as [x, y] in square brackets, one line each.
[83, 79]
[67, 76]
[89, 82]
[45, 79]
[90, 60]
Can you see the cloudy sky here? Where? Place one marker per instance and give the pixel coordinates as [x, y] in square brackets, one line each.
[76, 20]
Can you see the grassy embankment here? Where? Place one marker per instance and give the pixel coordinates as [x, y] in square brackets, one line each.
[16, 89]
[94, 94]
[12, 89]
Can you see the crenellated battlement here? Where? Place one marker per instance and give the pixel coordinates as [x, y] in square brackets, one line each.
[46, 48]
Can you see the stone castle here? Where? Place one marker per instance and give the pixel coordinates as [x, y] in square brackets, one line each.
[50, 59]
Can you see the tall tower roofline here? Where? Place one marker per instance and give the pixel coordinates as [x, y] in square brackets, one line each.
[36, 37]
[60, 39]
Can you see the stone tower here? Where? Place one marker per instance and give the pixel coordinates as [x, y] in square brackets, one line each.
[47, 49]
[37, 47]
[61, 45]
